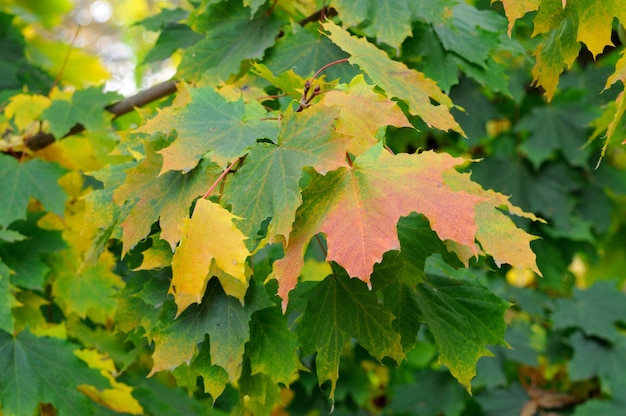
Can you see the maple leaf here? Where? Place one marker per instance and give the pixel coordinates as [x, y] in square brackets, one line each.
[598, 311]
[88, 294]
[43, 370]
[209, 236]
[462, 314]
[214, 377]
[362, 112]
[85, 107]
[340, 308]
[164, 197]
[21, 181]
[558, 49]
[267, 184]
[25, 258]
[273, 347]
[222, 317]
[391, 19]
[209, 123]
[358, 209]
[397, 79]
[230, 37]
[304, 51]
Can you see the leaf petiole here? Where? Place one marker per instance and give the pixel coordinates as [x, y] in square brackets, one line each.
[220, 178]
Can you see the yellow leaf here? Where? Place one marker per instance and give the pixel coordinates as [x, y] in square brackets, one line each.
[209, 236]
[26, 108]
[119, 397]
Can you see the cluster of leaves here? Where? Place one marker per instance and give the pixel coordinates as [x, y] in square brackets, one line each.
[296, 226]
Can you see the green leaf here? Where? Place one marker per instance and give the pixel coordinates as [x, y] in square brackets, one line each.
[85, 107]
[613, 406]
[21, 181]
[556, 127]
[209, 123]
[43, 370]
[222, 317]
[340, 308]
[166, 197]
[397, 79]
[596, 311]
[463, 315]
[267, 184]
[594, 358]
[173, 36]
[230, 37]
[546, 192]
[471, 33]
[390, 19]
[508, 401]
[433, 60]
[87, 294]
[26, 258]
[433, 393]
[273, 347]
[214, 377]
[304, 51]
[260, 392]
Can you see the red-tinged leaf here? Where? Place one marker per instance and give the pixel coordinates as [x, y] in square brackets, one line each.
[267, 184]
[516, 9]
[362, 112]
[209, 123]
[208, 237]
[165, 197]
[358, 209]
[397, 79]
